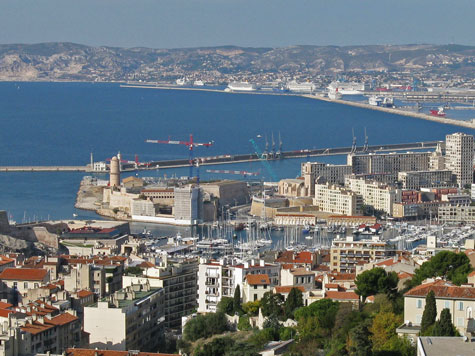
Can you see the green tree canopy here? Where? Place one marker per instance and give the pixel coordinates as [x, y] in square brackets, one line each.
[237, 299]
[454, 266]
[324, 310]
[272, 304]
[383, 329]
[360, 341]
[204, 326]
[294, 300]
[226, 305]
[251, 308]
[430, 312]
[376, 280]
[444, 326]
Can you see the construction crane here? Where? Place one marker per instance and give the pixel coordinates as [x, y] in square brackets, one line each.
[353, 145]
[191, 144]
[263, 160]
[365, 148]
[241, 173]
[279, 152]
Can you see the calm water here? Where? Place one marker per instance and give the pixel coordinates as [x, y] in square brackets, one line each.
[61, 123]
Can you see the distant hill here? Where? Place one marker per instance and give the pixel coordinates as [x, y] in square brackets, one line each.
[69, 61]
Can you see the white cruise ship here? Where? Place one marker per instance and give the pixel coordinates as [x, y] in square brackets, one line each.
[301, 87]
[182, 81]
[350, 88]
[241, 86]
[198, 83]
[334, 94]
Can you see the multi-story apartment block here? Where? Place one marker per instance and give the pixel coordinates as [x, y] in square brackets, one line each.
[179, 283]
[86, 276]
[426, 179]
[335, 199]
[217, 279]
[457, 214]
[459, 300]
[388, 162]
[459, 157]
[15, 282]
[130, 319]
[329, 173]
[378, 195]
[346, 254]
[186, 204]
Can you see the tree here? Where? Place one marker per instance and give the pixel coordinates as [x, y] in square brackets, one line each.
[217, 347]
[444, 326]
[430, 312]
[360, 341]
[237, 299]
[324, 311]
[204, 326]
[136, 270]
[243, 323]
[376, 280]
[294, 301]
[251, 308]
[226, 305]
[453, 266]
[383, 331]
[272, 304]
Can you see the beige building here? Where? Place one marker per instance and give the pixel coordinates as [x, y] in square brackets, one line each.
[337, 200]
[346, 254]
[329, 173]
[130, 319]
[388, 162]
[86, 276]
[15, 282]
[228, 192]
[378, 195]
[426, 179]
[298, 277]
[459, 300]
[437, 158]
[459, 157]
[159, 195]
[457, 214]
[254, 287]
[179, 282]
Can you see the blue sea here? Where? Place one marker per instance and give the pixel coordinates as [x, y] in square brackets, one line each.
[62, 123]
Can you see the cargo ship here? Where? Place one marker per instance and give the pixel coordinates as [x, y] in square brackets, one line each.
[440, 112]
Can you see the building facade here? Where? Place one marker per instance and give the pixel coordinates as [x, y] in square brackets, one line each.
[338, 200]
[388, 162]
[459, 157]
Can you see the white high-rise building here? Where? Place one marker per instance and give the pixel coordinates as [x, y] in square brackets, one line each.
[459, 157]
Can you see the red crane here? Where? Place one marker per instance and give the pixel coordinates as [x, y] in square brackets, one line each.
[190, 144]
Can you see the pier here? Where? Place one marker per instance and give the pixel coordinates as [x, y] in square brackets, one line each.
[238, 158]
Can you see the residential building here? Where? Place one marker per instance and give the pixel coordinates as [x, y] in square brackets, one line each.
[297, 277]
[460, 300]
[347, 253]
[15, 282]
[328, 173]
[426, 179]
[254, 287]
[179, 283]
[217, 279]
[364, 163]
[86, 276]
[459, 157]
[445, 345]
[335, 199]
[186, 205]
[457, 214]
[378, 195]
[97, 352]
[130, 319]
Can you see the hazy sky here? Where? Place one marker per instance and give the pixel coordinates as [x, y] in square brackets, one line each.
[272, 23]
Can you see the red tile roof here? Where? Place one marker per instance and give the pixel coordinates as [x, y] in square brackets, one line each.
[287, 289]
[4, 312]
[5, 260]
[442, 289]
[4, 305]
[23, 274]
[84, 293]
[257, 279]
[342, 295]
[63, 319]
[93, 352]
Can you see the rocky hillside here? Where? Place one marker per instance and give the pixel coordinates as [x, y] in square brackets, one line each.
[68, 61]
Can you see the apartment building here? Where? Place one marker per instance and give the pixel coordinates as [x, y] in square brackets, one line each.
[179, 282]
[459, 157]
[15, 282]
[459, 300]
[371, 163]
[217, 279]
[376, 194]
[186, 204]
[86, 276]
[456, 214]
[426, 179]
[346, 254]
[338, 200]
[130, 319]
[329, 173]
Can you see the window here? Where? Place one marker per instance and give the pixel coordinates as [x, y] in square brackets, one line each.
[25, 285]
[459, 321]
[255, 297]
[460, 305]
[255, 287]
[419, 303]
[447, 304]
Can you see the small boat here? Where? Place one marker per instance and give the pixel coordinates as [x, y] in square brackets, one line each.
[440, 112]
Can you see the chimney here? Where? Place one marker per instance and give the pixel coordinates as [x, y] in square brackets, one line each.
[262, 263]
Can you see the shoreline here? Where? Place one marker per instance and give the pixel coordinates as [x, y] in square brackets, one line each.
[396, 111]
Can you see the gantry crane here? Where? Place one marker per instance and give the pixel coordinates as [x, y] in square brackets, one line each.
[190, 144]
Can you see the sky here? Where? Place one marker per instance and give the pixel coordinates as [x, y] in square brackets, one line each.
[253, 23]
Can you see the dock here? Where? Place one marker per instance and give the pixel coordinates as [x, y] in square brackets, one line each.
[238, 158]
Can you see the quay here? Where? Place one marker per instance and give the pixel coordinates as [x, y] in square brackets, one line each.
[238, 158]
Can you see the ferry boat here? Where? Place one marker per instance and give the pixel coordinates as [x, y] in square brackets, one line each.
[198, 83]
[375, 100]
[182, 81]
[334, 94]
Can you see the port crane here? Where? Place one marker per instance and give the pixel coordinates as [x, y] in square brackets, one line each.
[191, 144]
[263, 160]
